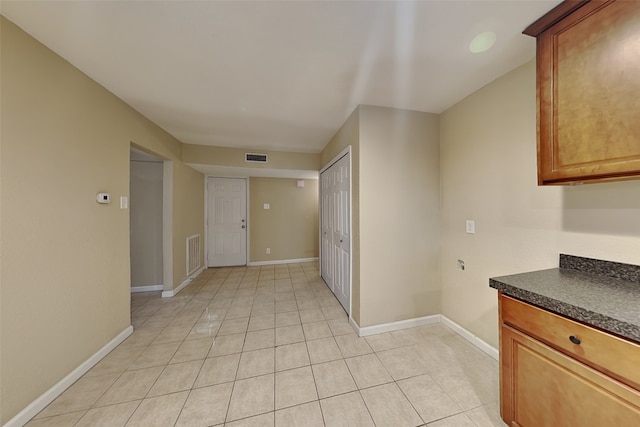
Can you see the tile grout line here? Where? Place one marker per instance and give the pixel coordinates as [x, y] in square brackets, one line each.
[298, 293]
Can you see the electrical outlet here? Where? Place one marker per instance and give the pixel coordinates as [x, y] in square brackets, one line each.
[460, 265]
[268, 251]
[470, 226]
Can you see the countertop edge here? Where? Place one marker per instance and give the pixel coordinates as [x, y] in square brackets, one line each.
[590, 318]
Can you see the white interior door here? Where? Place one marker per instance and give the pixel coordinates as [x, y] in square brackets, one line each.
[327, 230]
[342, 233]
[226, 220]
[336, 230]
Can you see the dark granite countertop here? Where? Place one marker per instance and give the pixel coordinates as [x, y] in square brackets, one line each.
[602, 300]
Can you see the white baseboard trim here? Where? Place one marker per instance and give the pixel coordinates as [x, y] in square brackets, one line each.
[426, 320]
[48, 396]
[395, 326]
[174, 292]
[464, 333]
[281, 261]
[146, 288]
[354, 325]
[198, 271]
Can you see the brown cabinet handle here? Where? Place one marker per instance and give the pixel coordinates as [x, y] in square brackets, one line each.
[574, 339]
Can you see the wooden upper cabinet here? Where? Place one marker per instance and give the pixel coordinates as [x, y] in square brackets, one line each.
[588, 91]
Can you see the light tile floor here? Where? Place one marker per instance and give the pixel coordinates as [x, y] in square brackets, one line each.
[271, 345]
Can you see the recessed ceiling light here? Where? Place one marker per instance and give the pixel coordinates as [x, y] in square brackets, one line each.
[482, 42]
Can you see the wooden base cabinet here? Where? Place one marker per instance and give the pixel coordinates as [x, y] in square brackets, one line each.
[543, 386]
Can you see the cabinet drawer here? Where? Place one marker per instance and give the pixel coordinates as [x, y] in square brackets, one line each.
[544, 387]
[609, 354]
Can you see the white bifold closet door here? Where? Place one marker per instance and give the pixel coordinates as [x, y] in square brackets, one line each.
[336, 230]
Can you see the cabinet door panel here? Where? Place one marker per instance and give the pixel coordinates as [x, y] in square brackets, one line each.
[614, 356]
[589, 95]
[547, 388]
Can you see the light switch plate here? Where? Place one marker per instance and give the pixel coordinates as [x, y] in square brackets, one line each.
[267, 206]
[470, 226]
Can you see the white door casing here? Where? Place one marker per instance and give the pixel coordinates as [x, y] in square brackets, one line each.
[336, 230]
[227, 222]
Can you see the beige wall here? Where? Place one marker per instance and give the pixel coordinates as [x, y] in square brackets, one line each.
[65, 258]
[188, 216]
[225, 156]
[399, 215]
[349, 135]
[395, 197]
[488, 164]
[290, 226]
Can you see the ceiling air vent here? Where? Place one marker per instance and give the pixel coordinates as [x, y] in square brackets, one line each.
[256, 158]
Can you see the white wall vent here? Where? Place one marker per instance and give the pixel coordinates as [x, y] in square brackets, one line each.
[193, 254]
[256, 158]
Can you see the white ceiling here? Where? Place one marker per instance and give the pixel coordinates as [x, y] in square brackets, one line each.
[280, 75]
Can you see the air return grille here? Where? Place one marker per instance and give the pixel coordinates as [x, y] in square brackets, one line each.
[256, 158]
[193, 254]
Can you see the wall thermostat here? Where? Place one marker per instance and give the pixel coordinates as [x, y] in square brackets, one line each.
[103, 198]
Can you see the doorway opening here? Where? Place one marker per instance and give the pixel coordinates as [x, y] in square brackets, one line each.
[150, 183]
